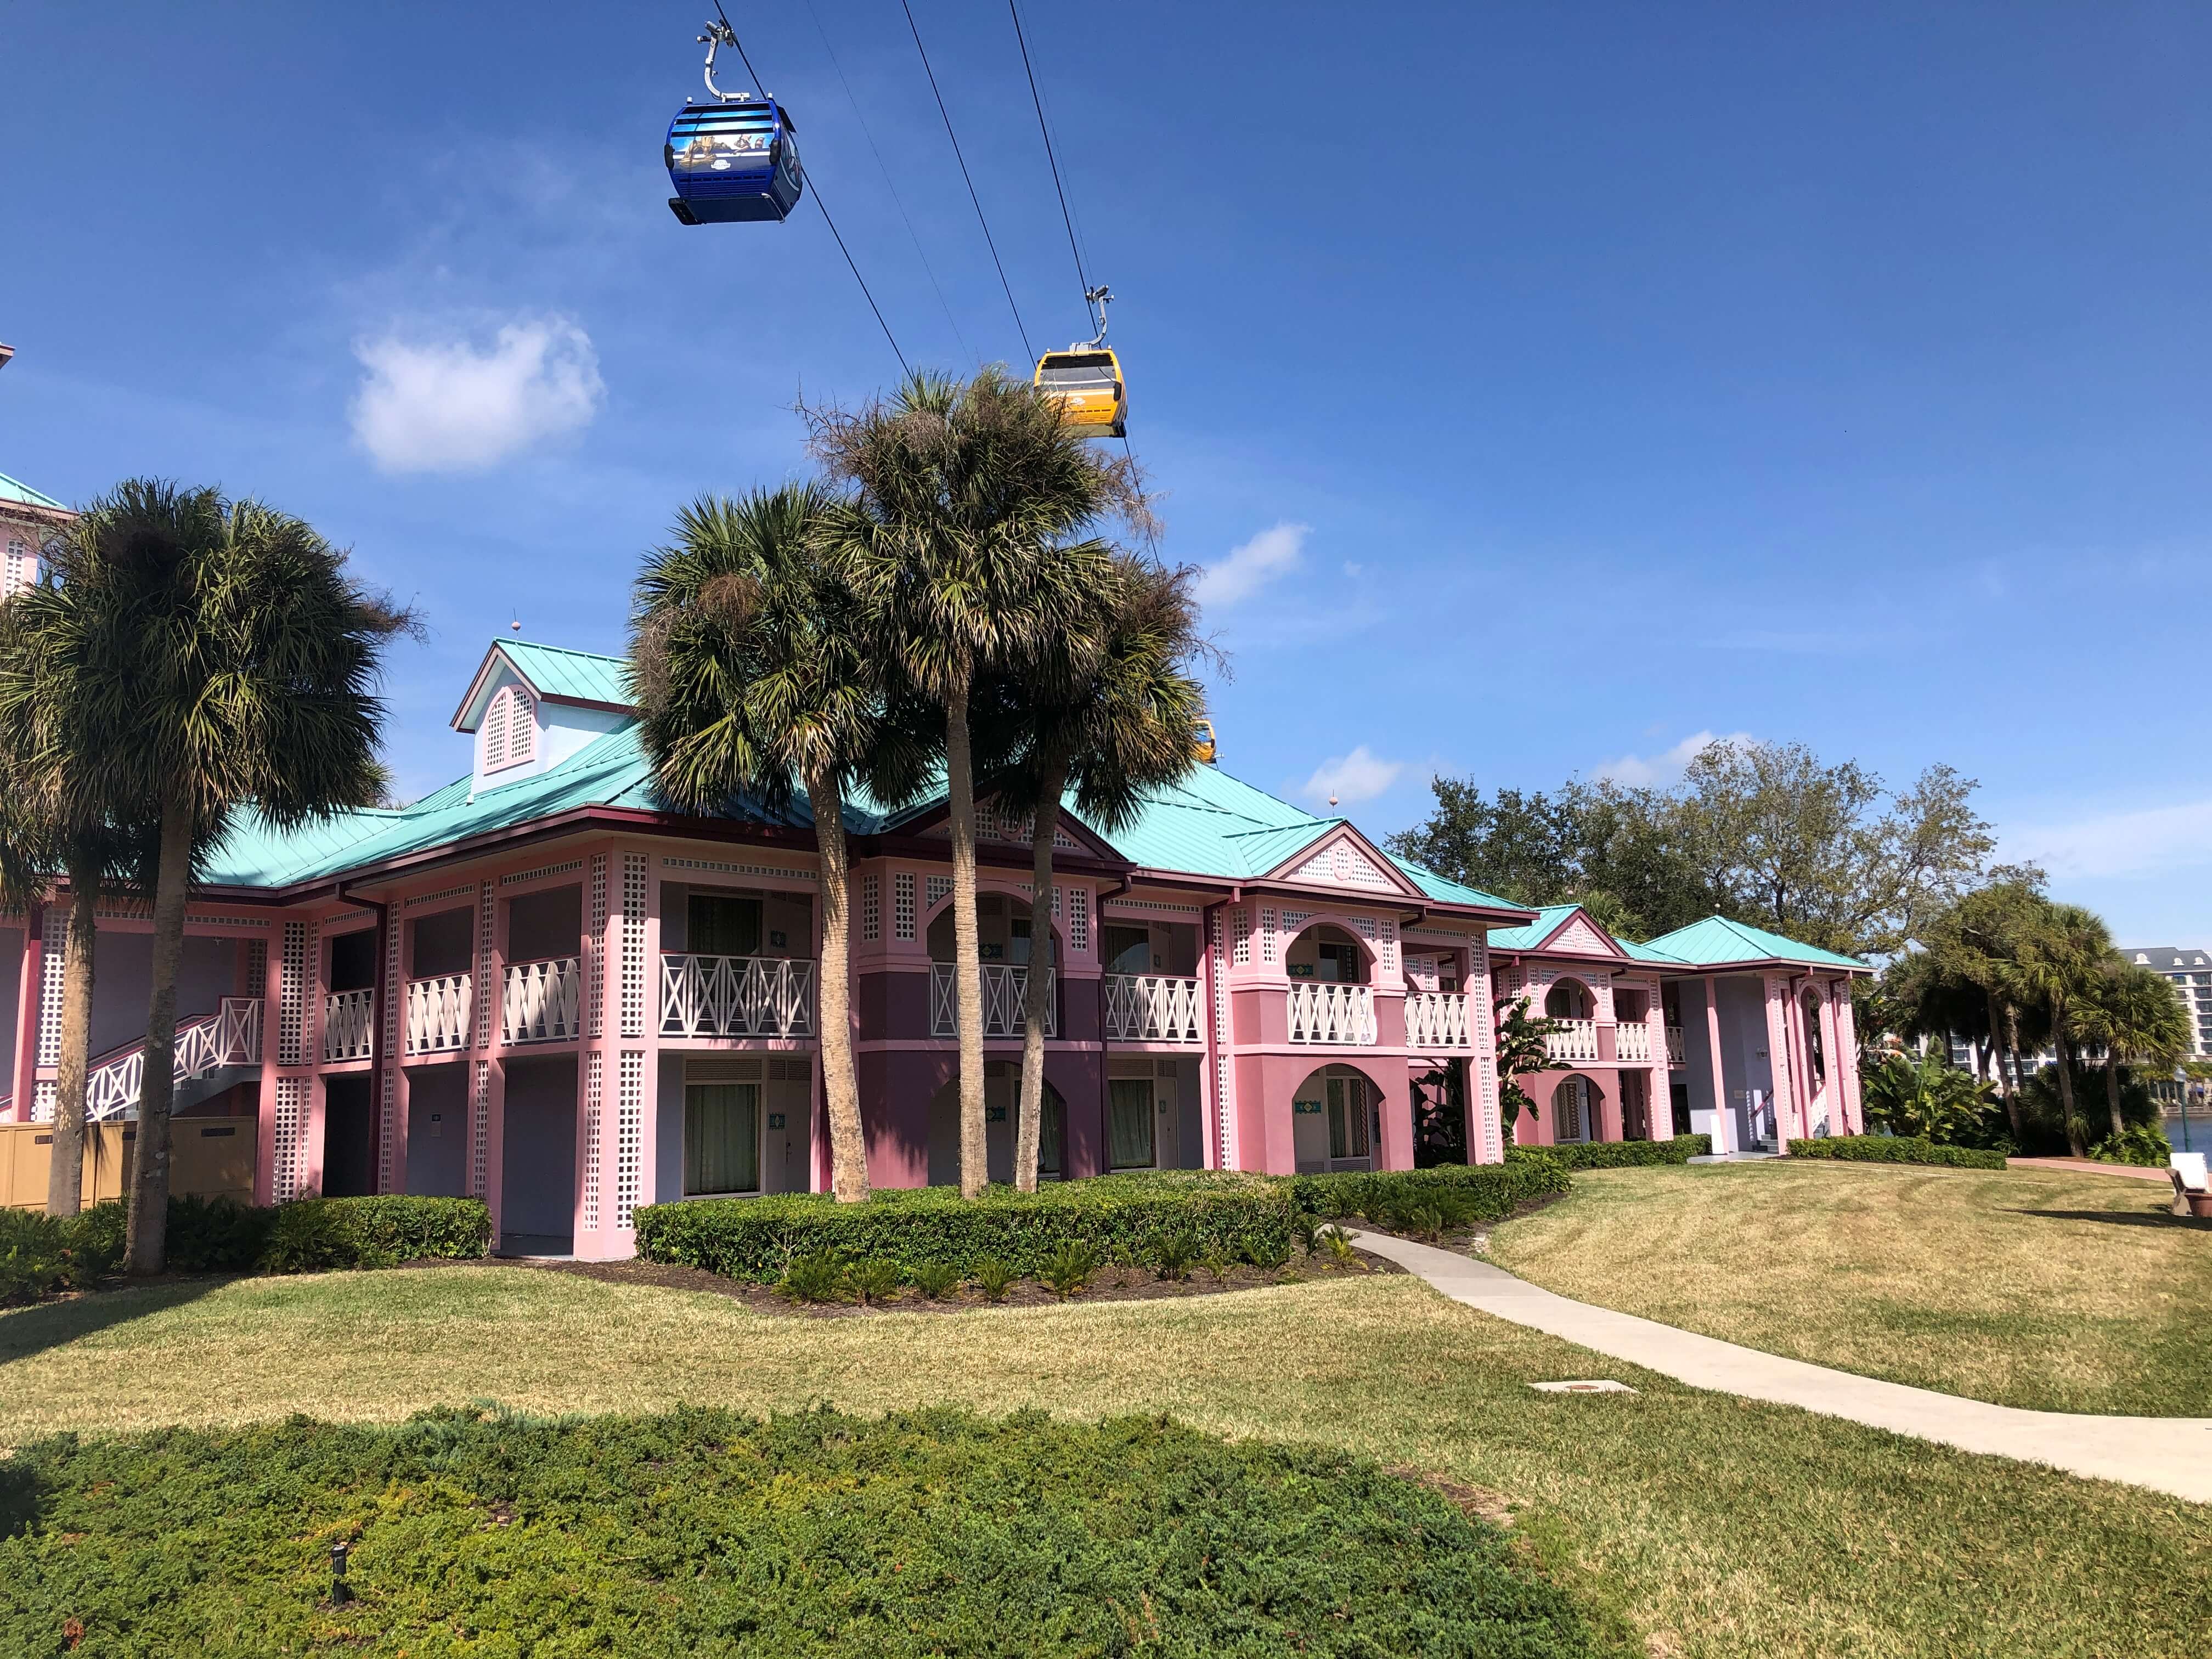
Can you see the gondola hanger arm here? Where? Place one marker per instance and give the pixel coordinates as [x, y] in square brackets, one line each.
[719, 34]
[1099, 298]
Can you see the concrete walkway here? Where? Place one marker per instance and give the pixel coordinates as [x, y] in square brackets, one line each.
[2090, 1166]
[2166, 1454]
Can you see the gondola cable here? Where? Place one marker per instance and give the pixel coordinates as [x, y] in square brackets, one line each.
[820, 202]
[884, 166]
[1051, 159]
[946, 115]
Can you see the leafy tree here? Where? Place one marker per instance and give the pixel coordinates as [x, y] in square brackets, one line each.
[1966, 979]
[969, 542]
[752, 673]
[1521, 1050]
[216, 653]
[1109, 724]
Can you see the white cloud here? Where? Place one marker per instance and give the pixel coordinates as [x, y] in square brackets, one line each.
[451, 406]
[1252, 565]
[2144, 843]
[1638, 770]
[1358, 776]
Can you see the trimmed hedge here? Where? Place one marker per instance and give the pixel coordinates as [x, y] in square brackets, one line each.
[1485, 1192]
[1896, 1149]
[1125, 1218]
[40, 1255]
[1619, 1154]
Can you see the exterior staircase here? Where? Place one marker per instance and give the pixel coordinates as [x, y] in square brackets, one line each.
[214, 1051]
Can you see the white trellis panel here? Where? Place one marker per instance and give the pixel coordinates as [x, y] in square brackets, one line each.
[1342, 1016]
[1154, 1008]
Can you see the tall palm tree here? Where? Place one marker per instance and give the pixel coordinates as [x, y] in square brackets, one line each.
[53, 822]
[1109, 725]
[2138, 1014]
[217, 652]
[2060, 959]
[969, 541]
[751, 671]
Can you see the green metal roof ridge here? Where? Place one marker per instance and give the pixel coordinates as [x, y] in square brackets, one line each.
[1760, 946]
[16, 489]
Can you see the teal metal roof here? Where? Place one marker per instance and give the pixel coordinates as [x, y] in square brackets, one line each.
[1717, 941]
[12, 491]
[1651, 953]
[556, 671]
[1530, 934]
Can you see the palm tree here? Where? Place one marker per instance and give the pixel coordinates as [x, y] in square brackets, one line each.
[2060, 959]
[1973, 952]
[967, 541]
[1111, 725]
[751, 670]
[216, 652]
[2138, 1014]
[1523, 1047]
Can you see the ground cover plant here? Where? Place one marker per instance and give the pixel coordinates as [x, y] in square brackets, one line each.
[1482, 1192]
[1638, 1505]
[704, 1531]
[1126, 1218]
[1896, 1149]
[1618, 1154]
[2041, 1288]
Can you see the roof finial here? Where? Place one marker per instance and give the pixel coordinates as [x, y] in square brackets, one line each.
[1332, 798]
[516, 624]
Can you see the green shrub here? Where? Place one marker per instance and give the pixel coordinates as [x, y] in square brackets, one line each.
[217, 1235]
[2138, 1144]
[1896, 1149]
[995, 1278]
[704, 1531]
[816, 1277]
[1339, 1245]
[1486, 1192]
[875, 1281]
[1172, 1257]
[1618, 1154]
[1125, 1218]
[935, 1280]
[312, 1235]
[1072, 1267]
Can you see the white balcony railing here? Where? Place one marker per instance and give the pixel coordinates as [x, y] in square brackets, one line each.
[736, 997]
[1437, 1019]
[1675, 1054]
[1575, 1042]
[1154, 1008]
[1006, 991]
[1631, 1041]
[437, 1014]
[1341, 1015]
[231, 1036]
[349, 1024]
[539, 1000]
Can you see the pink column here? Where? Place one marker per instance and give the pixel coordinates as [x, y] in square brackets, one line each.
[1785, 1066]
[24, 1062]
[272, 1002]
[1720, 1078]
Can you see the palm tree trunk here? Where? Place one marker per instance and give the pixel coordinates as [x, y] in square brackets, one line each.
[65, 1172]
[967, 949]
[2113, 1087]
[149, 1189]
[848, 1151]
[2005, 1061]
[2073, 1141]
[1037, 1002]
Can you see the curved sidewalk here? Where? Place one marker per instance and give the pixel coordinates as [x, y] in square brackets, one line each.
[2166, 1454]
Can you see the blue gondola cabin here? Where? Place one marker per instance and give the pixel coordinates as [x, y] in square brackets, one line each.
[733, 162]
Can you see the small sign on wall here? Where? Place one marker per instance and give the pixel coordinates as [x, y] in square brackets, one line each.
[994, 1115]
[775, 1120]
[1301, 969]
[1306, 1108]
[993, 952]
[778, 938]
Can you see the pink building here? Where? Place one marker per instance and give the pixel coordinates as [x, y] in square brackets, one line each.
[537, 985]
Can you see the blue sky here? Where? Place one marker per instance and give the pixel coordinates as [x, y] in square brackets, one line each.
[1542, 386]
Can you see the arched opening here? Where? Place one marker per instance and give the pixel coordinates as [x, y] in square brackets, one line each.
[1816, 1051]
[1005, 934]
[1569, 999]
[1327, 953]
[1574, 1110]
[1002, 1092]
[1335, 1120]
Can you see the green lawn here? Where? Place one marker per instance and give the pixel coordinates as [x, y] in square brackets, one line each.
[2039, 1288]
[1702, 1524]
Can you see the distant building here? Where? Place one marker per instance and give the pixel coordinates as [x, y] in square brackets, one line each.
[2190, 970]
[26, 519]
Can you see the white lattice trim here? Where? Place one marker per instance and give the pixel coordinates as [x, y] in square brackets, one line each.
[548, 872]
[466, 887]
[780, 872]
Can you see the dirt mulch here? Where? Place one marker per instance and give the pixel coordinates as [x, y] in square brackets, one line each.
[1112, 1285]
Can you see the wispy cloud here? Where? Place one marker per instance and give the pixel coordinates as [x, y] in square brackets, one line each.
[2150, 843]
[1349, 779]
[1250, 568]
[450, 406]
[1665, 768]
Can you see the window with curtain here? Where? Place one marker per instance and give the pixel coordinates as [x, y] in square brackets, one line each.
[1347, 1117]
[721, 925]
[721, 1138]
[1051, 1122]
[1129, 1123]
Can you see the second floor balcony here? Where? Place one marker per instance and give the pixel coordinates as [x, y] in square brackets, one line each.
[349, 1024]
[1676, 1054]
[437, 1011]
[1154, 1008]
[1438, 1019]
[1332, 1014]
[1005, 988]
[539, 1001]
[708, 996]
